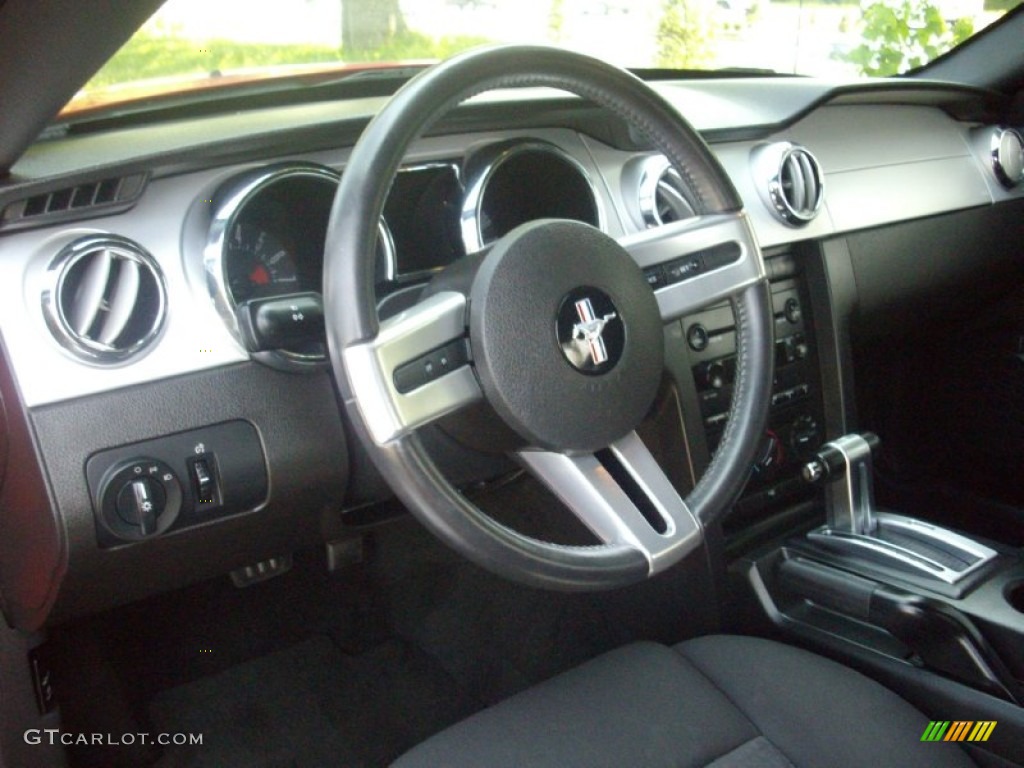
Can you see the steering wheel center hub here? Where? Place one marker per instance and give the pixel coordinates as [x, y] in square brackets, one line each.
[566, 336]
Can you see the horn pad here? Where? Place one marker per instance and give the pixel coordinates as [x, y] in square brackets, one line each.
[566, 334]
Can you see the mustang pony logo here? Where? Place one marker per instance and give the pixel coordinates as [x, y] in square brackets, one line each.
[586, 334]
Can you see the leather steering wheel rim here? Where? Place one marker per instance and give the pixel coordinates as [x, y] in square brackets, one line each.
[363, 353]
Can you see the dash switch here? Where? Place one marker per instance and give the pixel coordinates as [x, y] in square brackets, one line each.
[204, 481]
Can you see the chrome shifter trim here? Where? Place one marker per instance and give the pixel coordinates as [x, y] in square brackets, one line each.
[855, 529]
[902, 558]
[851, 496]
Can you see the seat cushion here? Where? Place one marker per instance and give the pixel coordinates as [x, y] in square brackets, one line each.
[726, 702]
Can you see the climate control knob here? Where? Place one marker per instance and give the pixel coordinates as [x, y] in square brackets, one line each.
[770, 456]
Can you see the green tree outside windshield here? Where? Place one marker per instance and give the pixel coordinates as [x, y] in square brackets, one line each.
[904, 36]
[828, 37]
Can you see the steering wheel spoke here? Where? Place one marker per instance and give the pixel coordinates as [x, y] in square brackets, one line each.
[622, 495]
[416, 369]
[697, 261]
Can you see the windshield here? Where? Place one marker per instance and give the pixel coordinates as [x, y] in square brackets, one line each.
[192, 45]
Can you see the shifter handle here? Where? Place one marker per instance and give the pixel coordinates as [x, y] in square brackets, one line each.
[829, 463]
[844, 466]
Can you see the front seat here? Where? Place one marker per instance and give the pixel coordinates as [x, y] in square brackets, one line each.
[717, 701]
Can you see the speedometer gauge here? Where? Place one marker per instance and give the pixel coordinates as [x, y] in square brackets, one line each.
[259, 263]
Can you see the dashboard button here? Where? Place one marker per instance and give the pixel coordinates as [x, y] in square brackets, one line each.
[720, 255]
[792, 310]
[430, 367]
[655, 277]
[204, 481]
[697, 337]
[681, 269]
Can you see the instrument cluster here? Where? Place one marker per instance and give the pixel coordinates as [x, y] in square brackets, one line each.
[264, 254]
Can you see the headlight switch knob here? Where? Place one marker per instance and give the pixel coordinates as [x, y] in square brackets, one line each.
[139, 498]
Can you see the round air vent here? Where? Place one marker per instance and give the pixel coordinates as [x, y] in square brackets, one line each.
[1008, 157]
[661, 193]
[106, 300]
[790, 181]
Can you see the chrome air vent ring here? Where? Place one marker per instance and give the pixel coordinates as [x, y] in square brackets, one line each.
[1008, 157]
[660, 192]
[790, 181]
[105, 301]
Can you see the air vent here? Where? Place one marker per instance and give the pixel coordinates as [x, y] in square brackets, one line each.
[106, 300]
[1008, 157]
[662, 194]
[790, 181]
[659, 191]
[73, 202]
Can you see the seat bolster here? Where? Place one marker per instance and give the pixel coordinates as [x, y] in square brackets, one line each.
[818, 712]
[726, 702]
[641, 705]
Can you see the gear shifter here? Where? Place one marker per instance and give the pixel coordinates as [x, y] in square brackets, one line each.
[845, 464]
[857, 529]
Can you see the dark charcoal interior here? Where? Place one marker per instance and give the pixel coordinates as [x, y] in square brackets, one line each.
[268, 493]
[351, 668]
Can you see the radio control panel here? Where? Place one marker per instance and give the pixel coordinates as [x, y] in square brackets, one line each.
[796, 424]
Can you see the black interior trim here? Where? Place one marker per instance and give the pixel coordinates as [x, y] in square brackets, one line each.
[36, 96]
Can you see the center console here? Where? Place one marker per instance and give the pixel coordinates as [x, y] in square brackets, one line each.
[902, 595]
[856, 530]
[704, 358]
[932, 613]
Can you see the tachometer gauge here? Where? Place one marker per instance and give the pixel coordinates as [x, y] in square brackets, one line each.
[259, 263]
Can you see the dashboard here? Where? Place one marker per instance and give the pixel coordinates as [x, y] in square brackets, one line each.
[160, 296]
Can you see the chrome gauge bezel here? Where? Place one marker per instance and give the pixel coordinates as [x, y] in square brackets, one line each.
[228, 204]
[486, 162]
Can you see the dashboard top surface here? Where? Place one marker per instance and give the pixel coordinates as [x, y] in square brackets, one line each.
[718, 108]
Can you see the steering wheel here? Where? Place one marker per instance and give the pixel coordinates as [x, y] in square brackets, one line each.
[560, 333]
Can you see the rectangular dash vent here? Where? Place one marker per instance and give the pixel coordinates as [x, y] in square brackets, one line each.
[69, 202]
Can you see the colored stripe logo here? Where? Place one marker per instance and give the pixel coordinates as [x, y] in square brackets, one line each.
[958, 730]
